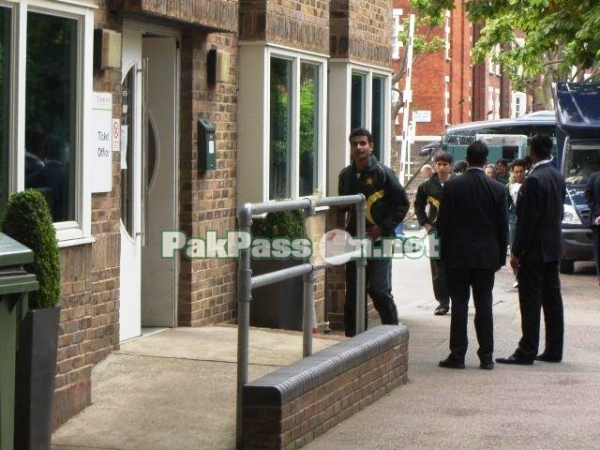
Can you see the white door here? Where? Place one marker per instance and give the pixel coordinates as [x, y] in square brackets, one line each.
[131, 187]
[159, 283]
[148, 181]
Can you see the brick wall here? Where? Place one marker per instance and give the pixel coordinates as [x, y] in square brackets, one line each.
[361, 31]
[89, 320]
[302, 24]
[295, 404]
[213, 14]
[461, 75]
[207, 288]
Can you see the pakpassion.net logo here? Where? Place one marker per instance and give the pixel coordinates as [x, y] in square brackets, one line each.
[335, 247]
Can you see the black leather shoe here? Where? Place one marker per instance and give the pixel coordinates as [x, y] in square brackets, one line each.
[486, 365]
[515, 359]
[449, 363]
[547, 358]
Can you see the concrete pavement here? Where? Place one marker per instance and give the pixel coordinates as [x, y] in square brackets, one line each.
[175, 389]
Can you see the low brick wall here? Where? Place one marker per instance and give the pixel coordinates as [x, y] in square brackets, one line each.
[291, 406]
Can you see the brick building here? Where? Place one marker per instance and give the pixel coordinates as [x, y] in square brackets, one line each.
[448, 89]
[147, 95]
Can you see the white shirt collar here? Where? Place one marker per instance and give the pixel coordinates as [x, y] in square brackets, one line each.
[539, 163]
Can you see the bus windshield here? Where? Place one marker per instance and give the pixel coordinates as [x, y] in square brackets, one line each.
[581, 160]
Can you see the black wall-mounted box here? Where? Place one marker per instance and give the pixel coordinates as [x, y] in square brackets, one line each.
[207, 154]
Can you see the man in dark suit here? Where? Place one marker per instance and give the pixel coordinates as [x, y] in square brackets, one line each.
[592, 197]
[536, 251]
[472, 223]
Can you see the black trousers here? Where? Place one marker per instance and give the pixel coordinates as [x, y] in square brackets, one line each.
[378, 286]
[460, 283]
[539, 289]
[596, 237]
[440, 285]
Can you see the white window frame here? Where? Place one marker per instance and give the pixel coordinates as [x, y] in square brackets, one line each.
[396, 29]
[447, 36]
[254, 128]
[340, 89]
[77, 231]
[369, 74]
[518, 104]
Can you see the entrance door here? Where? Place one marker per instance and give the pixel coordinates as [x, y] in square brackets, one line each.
[148, 180]
[159, 283]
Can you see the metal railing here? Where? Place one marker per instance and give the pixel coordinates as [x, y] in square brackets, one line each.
[246, 282]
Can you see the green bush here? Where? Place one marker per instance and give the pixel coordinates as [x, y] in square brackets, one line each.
[287, 224]
[27, 219]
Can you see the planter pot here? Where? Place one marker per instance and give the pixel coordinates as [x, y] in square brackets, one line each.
[35, 376]
[277, 305]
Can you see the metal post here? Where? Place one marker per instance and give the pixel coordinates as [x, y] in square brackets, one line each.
[307, 322]
[407, 97]
[309, 294]
[361, 269]
[244, 298]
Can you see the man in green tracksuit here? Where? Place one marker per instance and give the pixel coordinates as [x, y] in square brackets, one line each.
[387, 205]
[429, 194]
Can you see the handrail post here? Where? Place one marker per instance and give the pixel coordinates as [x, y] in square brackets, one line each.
[307, 321]
[361, 268]
[244, 298]
[308, 292]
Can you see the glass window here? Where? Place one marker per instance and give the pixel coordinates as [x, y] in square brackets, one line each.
[283, 153]
[309, 126]
[5, 89]
[280, 110]
[581, 160]
[357, 106]
[294, 140]
[51, 56]
[377, 116]
[50, 111]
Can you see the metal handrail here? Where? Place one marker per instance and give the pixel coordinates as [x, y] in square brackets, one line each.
[246, 282]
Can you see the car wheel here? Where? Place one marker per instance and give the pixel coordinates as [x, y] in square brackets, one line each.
[567, 266]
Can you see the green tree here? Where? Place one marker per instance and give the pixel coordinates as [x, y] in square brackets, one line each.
[540, 41]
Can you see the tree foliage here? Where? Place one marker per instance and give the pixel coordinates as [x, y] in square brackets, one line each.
[537, 42]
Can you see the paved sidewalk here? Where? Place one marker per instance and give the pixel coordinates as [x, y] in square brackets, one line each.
[175, 389]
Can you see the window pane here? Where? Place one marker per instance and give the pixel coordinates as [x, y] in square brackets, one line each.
[5, 54]
[309, 90]
[358, 101]
[377, 116]
[280, 112]
[50, 120]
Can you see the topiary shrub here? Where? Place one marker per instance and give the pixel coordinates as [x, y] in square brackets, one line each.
[27, 219]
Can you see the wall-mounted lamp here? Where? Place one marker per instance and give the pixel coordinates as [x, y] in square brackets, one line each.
[217, 66]
[107, 49]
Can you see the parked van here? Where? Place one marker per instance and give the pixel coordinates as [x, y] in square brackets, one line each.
[578, 143]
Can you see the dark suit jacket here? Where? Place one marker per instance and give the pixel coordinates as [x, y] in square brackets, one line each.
[592, 196]
[473, 222]
[540, 208]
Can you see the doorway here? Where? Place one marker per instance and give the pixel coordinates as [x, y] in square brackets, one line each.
[148, 179]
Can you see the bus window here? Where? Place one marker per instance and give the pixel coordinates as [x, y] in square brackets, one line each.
[581, 160]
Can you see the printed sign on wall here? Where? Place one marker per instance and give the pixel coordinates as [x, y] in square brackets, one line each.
[100, 145]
